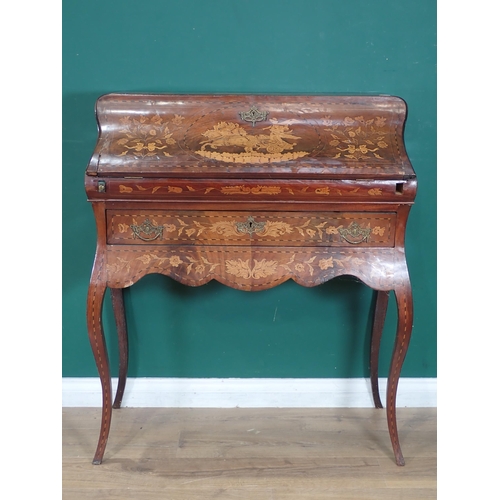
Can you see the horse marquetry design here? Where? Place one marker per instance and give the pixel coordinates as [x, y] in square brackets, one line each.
[257, 148]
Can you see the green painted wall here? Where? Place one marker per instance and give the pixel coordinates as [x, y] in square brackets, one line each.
[244, 46]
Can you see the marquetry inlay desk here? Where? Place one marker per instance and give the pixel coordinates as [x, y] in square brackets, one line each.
[250, 190]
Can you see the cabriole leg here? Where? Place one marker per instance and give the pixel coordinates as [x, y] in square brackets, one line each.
[94, 322]
[381, 301]
[404, 303]
[121, 327]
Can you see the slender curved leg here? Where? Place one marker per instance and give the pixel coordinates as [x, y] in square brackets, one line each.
[121, 327]
[381, 301]
[94, 312]
[405, 322]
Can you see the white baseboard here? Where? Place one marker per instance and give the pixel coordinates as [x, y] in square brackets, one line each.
[249, 393]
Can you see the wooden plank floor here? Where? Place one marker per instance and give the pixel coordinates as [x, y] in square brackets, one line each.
[200, 454]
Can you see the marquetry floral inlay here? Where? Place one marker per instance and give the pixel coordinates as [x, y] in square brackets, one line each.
[146, 135]
[243, 268]
[152, 258]
[326, 263]
[250, 190]
[200, 265]
[378, 230]
[357, 138]
[244, 190]
[256, 227]
[121, 265]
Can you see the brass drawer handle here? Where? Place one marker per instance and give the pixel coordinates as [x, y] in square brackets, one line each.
[250, 226]
[147, 231]
[355, 234]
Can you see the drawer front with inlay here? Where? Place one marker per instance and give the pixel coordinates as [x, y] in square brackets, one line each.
[148, 227]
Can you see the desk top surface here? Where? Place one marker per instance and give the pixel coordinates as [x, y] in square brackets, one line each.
[251, 136]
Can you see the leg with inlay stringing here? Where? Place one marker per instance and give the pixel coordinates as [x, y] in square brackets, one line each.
[94, 321]
[404, 303]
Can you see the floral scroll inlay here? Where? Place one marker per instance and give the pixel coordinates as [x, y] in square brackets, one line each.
[241, 227]
[250, 190]
[200, 265]
[153, 258]
[259, 269]
[121, 265]
[326, 263]
[247, 270]
[357, 138]
[242, 189]
[146, 136]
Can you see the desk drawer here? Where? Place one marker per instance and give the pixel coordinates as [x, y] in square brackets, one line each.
[147, 227]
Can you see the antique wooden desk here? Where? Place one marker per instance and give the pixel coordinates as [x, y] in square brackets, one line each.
[250, 190]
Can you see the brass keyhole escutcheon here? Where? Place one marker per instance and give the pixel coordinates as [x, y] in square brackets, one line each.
[250, 226]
